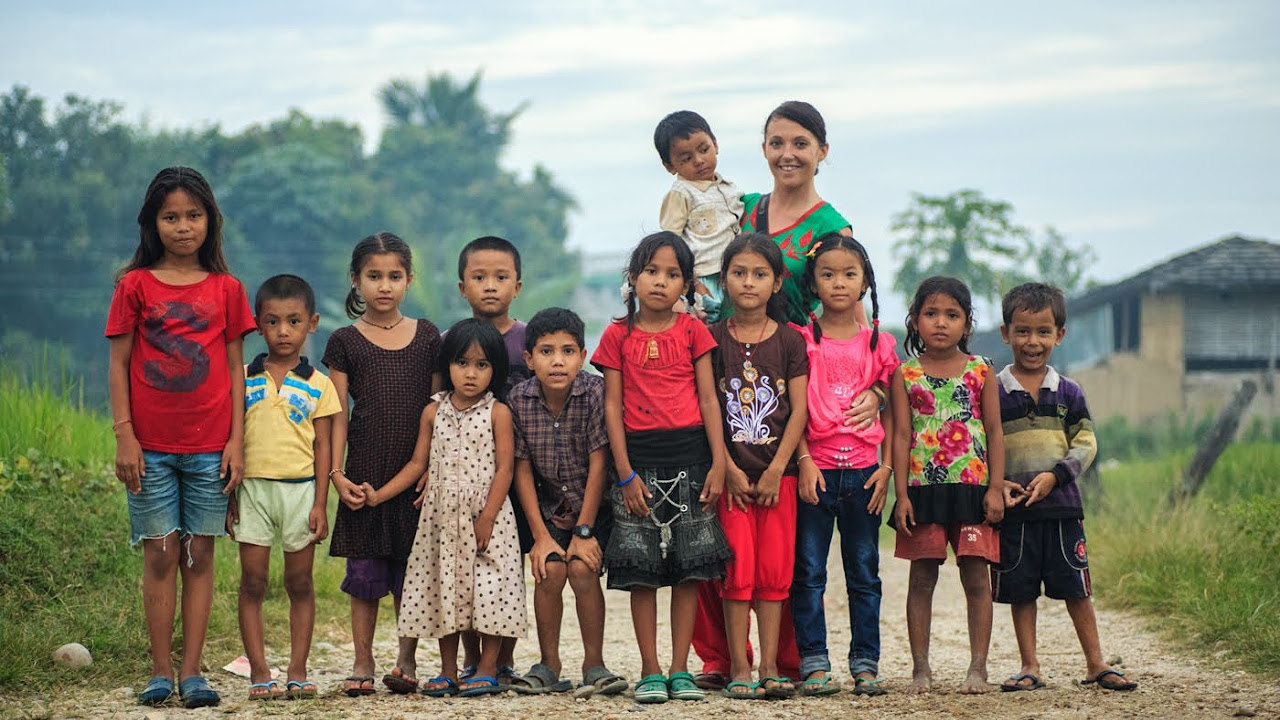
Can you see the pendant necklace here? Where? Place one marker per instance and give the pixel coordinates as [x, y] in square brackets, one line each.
[652, 352]
[379, 325]
[746, 346]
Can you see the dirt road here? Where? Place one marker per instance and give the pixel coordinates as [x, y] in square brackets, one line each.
[1172, 685]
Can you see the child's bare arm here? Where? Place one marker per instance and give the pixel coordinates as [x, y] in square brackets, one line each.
[710, 406]
[233, 453]
[634, 491]
[995, 498]
[348, 492]
[130, 465]
[503, 459]
[904, 514]
[878, 483]
[318, 518]
[768, 487]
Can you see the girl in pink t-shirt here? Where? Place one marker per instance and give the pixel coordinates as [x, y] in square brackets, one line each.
[841, 482]
[663, 421]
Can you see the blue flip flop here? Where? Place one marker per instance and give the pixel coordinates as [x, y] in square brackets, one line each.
[450, 687]
[196, 693]
[490, 686]
[158, 690]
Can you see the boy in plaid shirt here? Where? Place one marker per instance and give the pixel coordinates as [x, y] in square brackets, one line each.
[562, 459]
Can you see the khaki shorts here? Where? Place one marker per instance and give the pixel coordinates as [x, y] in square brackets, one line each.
[275, 507]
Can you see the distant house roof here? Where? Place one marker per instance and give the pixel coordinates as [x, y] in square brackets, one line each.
[1234, 263]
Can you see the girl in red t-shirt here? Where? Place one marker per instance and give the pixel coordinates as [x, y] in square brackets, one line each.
[177, 324]
[663, 420]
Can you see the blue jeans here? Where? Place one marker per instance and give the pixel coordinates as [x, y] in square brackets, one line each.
[844, 505]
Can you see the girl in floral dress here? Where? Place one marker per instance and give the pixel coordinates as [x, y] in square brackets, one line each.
[949, 449]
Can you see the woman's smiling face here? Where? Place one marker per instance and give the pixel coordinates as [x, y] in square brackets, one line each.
[792, 151]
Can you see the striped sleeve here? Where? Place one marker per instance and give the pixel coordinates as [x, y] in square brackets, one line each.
[1081, 441]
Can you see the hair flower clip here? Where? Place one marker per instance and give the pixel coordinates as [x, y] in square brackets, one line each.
[813, 249]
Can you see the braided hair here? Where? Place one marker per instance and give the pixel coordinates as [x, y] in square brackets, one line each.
[825, 244]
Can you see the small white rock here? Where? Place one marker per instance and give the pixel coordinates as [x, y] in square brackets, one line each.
[73, 655]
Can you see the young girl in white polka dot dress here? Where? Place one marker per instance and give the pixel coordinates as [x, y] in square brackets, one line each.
[464, 571]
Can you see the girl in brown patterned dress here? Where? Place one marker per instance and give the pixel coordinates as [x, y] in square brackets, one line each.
[385, 363]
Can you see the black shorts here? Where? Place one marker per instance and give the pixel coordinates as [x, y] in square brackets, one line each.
[602, 528]
[1051, 552]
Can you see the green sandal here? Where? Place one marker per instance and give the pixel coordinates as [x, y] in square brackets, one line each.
[682, 687]
[782, 688]
[752, 692]
[819, 687]
[871, 688]
[652, 689]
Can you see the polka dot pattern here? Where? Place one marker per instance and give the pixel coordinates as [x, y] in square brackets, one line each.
[448, 586]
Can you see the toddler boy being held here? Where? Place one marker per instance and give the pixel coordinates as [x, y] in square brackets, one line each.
[702, 206]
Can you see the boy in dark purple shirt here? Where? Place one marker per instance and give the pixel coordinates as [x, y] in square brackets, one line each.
[1049, 441]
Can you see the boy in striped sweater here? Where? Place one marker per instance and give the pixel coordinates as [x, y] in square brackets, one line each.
[1049, 441]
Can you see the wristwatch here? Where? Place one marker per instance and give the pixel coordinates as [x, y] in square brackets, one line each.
[583, 531]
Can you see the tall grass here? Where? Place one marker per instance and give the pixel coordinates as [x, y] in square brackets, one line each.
[67, 570]
[1208, 568]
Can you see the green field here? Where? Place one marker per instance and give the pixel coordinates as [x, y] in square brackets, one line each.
[1207, 569]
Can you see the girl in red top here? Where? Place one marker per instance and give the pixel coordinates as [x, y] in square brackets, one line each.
[177, 325]
[664, 430]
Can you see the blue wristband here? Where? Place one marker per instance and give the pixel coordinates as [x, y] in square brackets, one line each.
[630, 477]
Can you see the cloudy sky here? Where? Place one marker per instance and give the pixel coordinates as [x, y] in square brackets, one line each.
[1143, 128]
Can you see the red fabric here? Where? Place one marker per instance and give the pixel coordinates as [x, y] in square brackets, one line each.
[929, 542]
[657, 393]
[763, 540]
[179, 380]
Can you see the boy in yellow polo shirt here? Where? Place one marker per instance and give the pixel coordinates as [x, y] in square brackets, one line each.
[288, 413]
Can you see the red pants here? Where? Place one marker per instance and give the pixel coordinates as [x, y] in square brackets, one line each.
[763, 541]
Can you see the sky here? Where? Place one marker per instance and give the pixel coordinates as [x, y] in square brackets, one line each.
[1142, 129]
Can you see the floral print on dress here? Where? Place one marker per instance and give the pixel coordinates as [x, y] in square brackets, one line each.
[948, 441]
[748, 402]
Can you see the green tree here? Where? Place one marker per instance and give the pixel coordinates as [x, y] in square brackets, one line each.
[438, 172]
[975, 239]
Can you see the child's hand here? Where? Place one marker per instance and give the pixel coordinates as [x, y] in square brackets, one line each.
[864, 410]
[421, 487]
[588, 551]
[1040, 487]
[767, 487]
[904, 516]
[318, 523]
[811, 481]
[538, 555]
[993, 504]
[635, 495]
[130, 464]
[714, 486]
[232, 465]
[370, 493]
[1013, 493]
[737, 488]
[878, 483]
[233, 515]
[348, 492]
[483, 527]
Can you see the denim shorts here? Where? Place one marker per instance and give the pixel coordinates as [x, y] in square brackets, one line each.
[180, 492]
